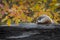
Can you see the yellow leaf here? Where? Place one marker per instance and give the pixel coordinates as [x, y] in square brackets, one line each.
[54, 0]
[5, 19]
[9, 22]
[29, 19]
[45, 1]
[17, 21]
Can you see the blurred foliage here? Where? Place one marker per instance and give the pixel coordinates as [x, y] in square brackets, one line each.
[16, 11]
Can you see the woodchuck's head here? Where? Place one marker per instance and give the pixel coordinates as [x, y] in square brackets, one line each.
[44, 19]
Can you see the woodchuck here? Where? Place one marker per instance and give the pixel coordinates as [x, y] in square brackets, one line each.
[44, 19]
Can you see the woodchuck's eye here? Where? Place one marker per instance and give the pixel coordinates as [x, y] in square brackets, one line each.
[40, 18]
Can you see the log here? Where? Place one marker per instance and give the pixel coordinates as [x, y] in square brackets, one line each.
[29, 31]
[32, 26]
